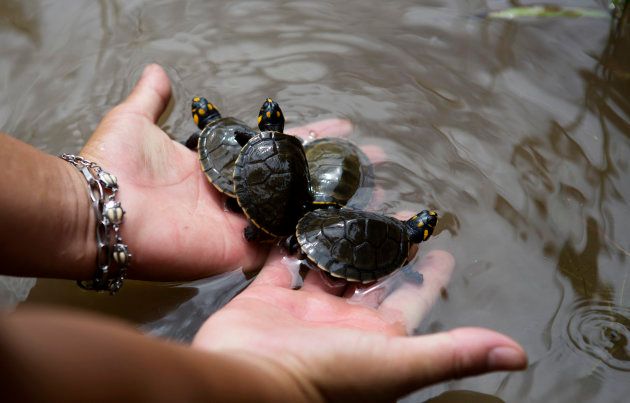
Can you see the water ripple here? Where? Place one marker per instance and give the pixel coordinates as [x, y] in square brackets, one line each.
[602, 330]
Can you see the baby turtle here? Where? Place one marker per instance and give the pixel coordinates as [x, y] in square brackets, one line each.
[358, 245]
[216, 143]
[271, 179]
[341, 174]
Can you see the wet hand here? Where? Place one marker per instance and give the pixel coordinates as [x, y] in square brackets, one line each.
[175, 224]
[341, 348]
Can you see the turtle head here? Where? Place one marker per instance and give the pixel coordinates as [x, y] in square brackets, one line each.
[270, 117]
[203, 112]
[421, 226]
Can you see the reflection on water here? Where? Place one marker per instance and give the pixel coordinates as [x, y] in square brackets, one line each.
[517, 131]
[603, 331]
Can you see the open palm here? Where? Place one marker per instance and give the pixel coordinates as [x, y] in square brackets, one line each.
[339, 349]
[176, 225]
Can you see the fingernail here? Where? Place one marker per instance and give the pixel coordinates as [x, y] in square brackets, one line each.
[146, 70]
[506, 358]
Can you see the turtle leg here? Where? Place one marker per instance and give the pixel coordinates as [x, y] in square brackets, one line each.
[291, 245]
[250, 233]
[192, 141]
[232, 205]
[253, 234]
[242, 136]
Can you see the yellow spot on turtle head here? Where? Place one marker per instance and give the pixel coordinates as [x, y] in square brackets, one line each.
[202, 112]
[426, 234]
[196, 99]
[268, 114]
[196, 118]
[259, 118]
[269, 100]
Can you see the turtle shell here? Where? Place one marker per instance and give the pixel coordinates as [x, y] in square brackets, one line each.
[352, 244]
[341, 174]
[271, 182]
[218, 151]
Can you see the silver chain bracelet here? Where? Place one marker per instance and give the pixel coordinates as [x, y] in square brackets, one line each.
[102, 188]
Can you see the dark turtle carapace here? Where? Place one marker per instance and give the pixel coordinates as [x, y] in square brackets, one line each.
[361, 246]
[216, 143]
[271, 179]
[341, 174]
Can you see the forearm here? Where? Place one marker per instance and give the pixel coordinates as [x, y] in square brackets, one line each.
[47, 224]
[48, 356]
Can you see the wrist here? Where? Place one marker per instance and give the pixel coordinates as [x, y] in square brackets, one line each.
[77, 248]
[276, 382]
[45, 215]
[112, 255]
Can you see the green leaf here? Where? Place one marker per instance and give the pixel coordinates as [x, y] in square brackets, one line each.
[547, 11]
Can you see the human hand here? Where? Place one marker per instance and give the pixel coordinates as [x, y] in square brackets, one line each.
[338, 350]
[175, 224]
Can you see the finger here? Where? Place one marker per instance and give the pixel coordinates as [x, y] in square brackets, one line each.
[396, 366]
[424, 360]
[150, 95]
[276, 272]
[375, 153]
[410, 301]
[323, 128]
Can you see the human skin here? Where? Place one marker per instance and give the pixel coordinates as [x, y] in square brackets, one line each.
[175, 224]
[311, 344]
[271, 343]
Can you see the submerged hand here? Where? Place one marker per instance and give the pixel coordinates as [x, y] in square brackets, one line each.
[336, 349]
[175, 222]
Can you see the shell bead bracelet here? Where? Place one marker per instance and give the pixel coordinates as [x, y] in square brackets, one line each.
[111, 251]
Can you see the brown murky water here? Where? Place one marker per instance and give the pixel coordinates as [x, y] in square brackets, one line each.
[517, 131]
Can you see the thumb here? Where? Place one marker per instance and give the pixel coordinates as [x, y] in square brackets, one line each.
[150, 95]
[461, 352]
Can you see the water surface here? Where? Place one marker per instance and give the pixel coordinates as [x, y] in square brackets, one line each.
[517, 131]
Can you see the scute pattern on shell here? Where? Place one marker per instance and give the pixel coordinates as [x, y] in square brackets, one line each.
[218, 151]
[352, 244]
[272, 182]
[340, 172]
